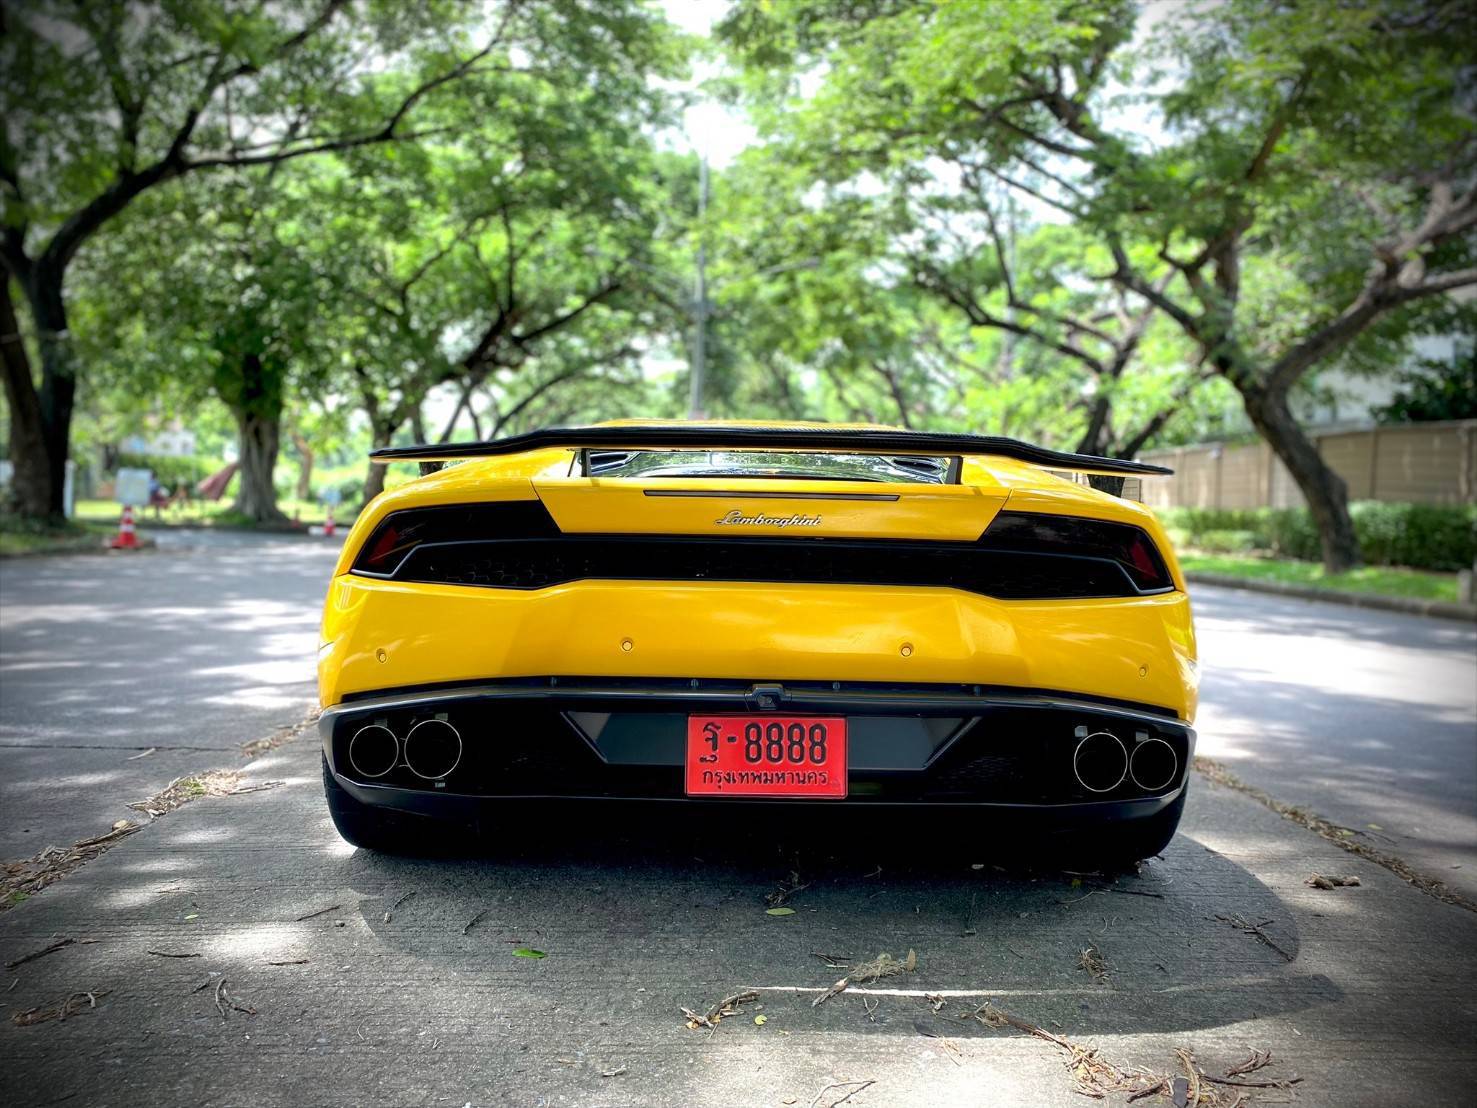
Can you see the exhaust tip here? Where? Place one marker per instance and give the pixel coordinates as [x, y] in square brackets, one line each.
[433, 749]
[374, 750]
[1154, 765]
[1101, 762]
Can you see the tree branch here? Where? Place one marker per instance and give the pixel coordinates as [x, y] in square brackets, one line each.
[1156, 422]
[610, 286]
[931, 280]
[1397, 277]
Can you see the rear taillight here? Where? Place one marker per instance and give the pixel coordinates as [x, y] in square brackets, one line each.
[400, 534]
[1128, 546]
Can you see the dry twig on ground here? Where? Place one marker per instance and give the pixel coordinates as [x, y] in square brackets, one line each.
[42, 953]
[397, 904]
[835, 961]
[21, 879]
[226, 1003]
[258, 747]
[1091, 960]
[1242, 924]
[860, 1085]
[884, 965]
[69, 1007]
[474, 921]
[182, 790]
[1094, 1076]
[728, 1006]
[319, 912]
[784, 890]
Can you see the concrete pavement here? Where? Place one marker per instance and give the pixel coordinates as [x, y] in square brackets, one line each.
[1366, 993]
[1367, 718]
[190, 650]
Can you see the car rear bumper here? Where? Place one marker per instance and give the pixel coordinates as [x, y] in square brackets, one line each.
[1012, 752]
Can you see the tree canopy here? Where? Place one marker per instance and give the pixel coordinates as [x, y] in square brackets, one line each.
[1084, 223]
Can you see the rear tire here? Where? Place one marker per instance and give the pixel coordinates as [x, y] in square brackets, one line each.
[381, 829]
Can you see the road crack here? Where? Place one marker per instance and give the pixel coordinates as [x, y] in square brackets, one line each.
[21, 879]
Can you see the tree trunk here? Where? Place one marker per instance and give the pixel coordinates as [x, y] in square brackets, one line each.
[45, 463]
[374, 478]
[1324, 490]
[31, 481]
[258, 414]
[1106, 482]
[305, 467]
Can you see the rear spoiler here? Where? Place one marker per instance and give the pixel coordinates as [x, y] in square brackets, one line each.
[697, 436]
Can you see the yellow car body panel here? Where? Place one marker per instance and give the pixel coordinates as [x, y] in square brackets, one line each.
[383, 634]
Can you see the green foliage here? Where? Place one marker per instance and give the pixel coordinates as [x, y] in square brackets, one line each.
[1441, 390]
[1227, 542]
[980, 287]
[1417, 535]
[1371, 580]
[1423, 536]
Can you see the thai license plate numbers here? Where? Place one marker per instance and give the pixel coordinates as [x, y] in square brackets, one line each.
[802, 756]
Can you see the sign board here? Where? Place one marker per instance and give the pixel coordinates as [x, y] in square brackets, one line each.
[132, 486]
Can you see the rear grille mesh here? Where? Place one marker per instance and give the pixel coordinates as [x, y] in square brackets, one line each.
[517, 546]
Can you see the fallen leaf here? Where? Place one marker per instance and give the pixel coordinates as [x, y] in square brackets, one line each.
[193, 915]
[1331, 881]
[528, 952]
[779, 911]
[760, 1021]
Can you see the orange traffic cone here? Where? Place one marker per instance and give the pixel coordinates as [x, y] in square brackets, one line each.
[127, 538]
[328, 523]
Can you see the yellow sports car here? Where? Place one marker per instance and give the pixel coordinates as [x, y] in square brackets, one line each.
[743, 614]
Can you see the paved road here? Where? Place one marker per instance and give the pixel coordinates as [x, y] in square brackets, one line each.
[364, 997]
[1366, 718]
[1367, 993]
[190, 650]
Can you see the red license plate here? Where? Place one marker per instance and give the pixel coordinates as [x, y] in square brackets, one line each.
[766, 756]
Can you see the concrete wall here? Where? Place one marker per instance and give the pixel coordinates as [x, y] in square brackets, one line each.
[1422, 463]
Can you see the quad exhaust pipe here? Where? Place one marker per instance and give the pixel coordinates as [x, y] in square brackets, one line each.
[1102, 762]
[374, 750]
[431, 751]
[1153, 765]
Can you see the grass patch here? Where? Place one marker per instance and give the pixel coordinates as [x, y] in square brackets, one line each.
[27, 536]
[1417, 584]
[200, 513]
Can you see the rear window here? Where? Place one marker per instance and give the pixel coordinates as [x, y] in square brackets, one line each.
[908, 468]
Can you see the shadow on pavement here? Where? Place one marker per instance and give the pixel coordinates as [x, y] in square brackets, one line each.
[690, 901]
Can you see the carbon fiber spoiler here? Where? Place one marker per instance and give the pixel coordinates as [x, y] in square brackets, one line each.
[689, 436]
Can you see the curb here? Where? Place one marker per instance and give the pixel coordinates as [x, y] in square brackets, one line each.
[1439, 609]
[93, 547]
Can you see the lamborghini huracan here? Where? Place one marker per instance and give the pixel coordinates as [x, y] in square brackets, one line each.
[761, 614]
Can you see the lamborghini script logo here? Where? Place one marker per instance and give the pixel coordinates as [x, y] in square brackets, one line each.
[737, 518]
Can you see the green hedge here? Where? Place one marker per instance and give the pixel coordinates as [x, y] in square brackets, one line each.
[1419, 535]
